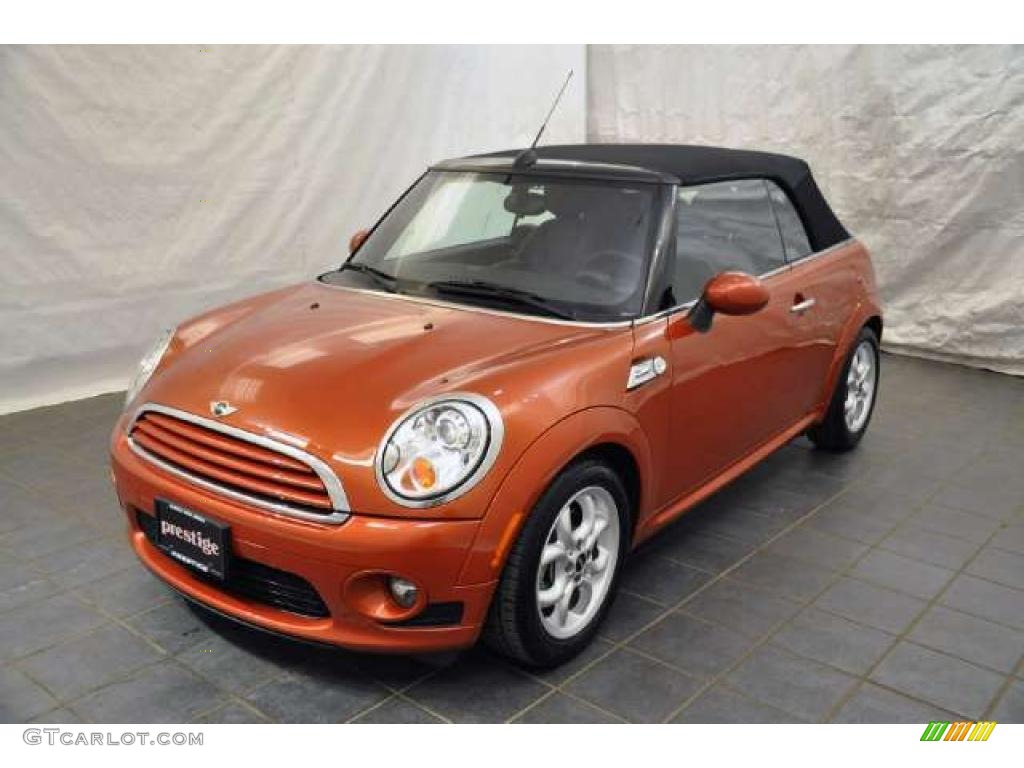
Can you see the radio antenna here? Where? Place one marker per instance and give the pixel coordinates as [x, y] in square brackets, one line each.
[529, 156]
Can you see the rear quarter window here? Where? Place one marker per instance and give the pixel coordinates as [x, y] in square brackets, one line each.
[794, 236]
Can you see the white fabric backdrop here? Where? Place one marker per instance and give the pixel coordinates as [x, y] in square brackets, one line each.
[140, 185]
[920, 149]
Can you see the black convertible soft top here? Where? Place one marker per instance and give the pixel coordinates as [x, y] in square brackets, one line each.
[688, 164]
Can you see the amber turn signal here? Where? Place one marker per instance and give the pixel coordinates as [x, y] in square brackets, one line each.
[423, 472]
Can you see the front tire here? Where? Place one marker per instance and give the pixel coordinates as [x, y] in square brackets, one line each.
[853, 401]
[562, 572]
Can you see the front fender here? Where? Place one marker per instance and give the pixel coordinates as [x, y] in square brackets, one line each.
[534, 471]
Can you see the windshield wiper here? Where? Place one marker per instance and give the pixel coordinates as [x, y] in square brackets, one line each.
[485, 290]
[382, 278]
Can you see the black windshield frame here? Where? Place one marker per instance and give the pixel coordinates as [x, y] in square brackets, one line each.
[652, 241]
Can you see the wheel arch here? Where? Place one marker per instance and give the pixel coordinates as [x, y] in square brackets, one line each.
[609, 433]
[620, 458]
[866, 316]
[875, 324]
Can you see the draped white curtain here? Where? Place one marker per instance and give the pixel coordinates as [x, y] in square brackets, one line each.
[141, 185]
[920, 150]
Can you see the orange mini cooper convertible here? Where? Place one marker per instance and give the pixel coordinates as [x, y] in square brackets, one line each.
[533, 362]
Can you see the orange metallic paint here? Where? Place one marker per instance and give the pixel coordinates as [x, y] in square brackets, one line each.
[357, 239]
[329, 369]
[736, 293]
[430, 552]
[538, 466]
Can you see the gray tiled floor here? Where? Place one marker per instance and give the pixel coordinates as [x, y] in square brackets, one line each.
[884, 585]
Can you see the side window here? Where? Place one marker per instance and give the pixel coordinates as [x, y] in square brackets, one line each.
[723, 226]
[794, 236]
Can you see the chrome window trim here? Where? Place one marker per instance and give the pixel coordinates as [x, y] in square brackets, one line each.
[667, 312]
[814, 255]
[764, 276]
[824, 252]
[496, 437]
[610, 324]
[335, 490]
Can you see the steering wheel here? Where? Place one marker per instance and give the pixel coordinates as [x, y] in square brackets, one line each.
[603, 268]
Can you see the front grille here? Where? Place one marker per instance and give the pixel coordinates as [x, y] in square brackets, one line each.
[254, 581]
[238, 467]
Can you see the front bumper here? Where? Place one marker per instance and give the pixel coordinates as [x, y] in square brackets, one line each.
[343, 563]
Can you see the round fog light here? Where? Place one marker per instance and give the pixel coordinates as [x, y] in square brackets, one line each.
[403, 591]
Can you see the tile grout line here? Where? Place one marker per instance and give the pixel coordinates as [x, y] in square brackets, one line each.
[224, 704]
[166, 656]
[112, 620]
[620, 645]
[574, 697]
[847, 573]
[929, 604]
[896, 637]
[864, 678]
[772, 631]
[402, 696]
[767, 637]
[366, 710]
[556, 690]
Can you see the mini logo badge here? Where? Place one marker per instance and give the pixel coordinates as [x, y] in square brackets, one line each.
[222, 408]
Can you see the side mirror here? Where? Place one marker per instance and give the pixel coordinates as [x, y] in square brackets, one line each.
[357, 239]
[730, 293]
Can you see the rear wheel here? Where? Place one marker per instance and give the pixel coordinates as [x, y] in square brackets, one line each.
[562, 572]
[853, 401]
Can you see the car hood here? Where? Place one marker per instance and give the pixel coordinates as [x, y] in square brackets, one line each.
[329, 369]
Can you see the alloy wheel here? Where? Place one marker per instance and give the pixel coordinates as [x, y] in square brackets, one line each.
[861, 380]
[578, 562]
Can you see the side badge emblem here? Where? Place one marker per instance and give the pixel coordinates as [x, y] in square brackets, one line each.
[222, 408]
[642, 371]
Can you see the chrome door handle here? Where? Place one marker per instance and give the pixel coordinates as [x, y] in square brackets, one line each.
[803, 306]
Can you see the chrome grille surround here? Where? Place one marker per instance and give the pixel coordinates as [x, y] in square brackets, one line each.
[335, 491]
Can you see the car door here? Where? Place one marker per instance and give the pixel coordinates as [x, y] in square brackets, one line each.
[821, 300]
[741, 383]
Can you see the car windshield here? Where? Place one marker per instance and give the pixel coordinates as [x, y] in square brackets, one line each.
[571, 248]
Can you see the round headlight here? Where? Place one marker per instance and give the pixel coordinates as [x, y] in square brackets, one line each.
[439, 449]
[148, 364]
